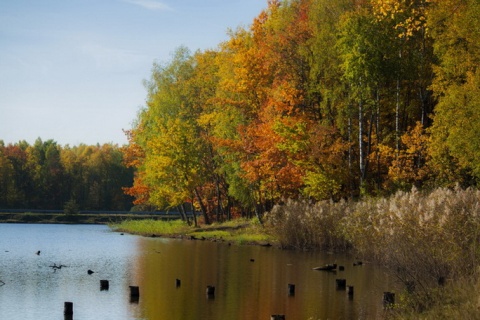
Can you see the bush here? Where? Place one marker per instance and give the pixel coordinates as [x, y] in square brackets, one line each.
[71, 207]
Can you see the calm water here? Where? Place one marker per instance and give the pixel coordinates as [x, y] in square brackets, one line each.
[245, 289]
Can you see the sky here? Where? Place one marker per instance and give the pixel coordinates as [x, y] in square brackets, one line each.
[73, 70]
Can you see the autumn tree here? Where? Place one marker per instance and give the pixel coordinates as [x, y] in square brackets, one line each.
[455, 135]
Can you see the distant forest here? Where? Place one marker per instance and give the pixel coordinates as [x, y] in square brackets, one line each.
[47, 176]
[317, 99]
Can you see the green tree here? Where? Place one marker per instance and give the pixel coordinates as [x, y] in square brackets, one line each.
[174, 163]
[455, 132]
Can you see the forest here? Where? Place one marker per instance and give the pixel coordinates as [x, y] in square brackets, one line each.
[47, 176]
[315, 100]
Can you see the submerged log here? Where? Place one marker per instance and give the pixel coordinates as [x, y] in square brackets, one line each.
[327, 267]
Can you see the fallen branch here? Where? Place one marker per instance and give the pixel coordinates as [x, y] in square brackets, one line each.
[2, 283]
[55, 267]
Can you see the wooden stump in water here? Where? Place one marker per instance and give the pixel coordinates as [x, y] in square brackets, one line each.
[210, 291]
[341, 284]
[350, 291]
[291, 289]
[68, 309]
[441, 281]
[388, 299]
[104, 285]
[134, 291]
[277, 317]
[134, 294]
[178, 283]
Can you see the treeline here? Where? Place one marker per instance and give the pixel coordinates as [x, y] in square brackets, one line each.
[317, 99]
[46, 175]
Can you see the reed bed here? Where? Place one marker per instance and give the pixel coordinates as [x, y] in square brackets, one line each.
[428, 240]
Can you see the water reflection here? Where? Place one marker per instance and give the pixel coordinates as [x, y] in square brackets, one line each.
[34, 290]
[250, 283]
[172, 278]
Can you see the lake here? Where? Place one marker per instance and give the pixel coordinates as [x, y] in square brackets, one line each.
[251, 282]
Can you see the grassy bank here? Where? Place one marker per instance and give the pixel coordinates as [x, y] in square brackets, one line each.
[239, 231]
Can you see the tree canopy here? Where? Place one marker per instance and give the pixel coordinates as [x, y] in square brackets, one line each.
[317, 100]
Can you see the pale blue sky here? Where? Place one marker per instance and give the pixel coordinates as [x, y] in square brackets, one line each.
[72, 70]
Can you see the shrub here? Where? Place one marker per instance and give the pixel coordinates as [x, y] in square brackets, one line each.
[71, 207]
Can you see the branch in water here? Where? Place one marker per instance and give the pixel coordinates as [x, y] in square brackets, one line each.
[55, 267]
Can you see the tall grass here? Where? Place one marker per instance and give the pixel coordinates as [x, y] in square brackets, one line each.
[300, 225]
[426, 239]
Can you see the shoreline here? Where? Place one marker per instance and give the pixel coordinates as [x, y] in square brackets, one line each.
[61, 218]
[241, 232]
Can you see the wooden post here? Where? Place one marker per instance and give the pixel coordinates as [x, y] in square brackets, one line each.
[178, 283]
[104, 285]
[277, 317]
[388, 299]
[134, 291]
[291, 289]
[68, 309]
[441, 281]
[341, 284]
[350, 291]
[210, 291]
[134, 294]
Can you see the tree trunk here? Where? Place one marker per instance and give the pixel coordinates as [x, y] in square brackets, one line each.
[219, 200]
[202, 206]
[194, 214]
[361, 154]
[397, 110]
[183, 213]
